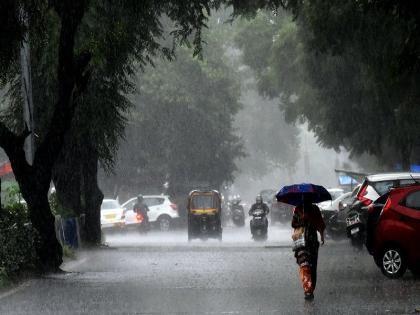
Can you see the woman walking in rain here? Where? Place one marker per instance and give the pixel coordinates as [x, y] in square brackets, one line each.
[307, 220]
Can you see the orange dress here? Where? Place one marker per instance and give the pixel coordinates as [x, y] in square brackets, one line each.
[309, 217]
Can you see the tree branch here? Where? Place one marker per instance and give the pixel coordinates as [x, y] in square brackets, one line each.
[72, 80]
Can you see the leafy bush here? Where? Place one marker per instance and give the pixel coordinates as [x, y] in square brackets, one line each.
[4, 279]
[13, 196]
[17, 239]
[69, 252]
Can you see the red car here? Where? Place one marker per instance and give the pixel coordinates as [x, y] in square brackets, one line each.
[396, 239]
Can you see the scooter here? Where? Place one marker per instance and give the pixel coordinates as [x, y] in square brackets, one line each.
[237, 213]
[259, 225]
[356, 226]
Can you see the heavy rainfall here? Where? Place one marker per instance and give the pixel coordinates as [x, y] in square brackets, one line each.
[209, 157]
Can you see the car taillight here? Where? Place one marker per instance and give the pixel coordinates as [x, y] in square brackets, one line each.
[387, 204]
[174, 206]
[139, 217]
[361, 196]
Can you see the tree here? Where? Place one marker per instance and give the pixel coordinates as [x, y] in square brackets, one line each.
[272, 143]
[71, 79]
[34, 180]
[181, 130]
[339, 83]
[378, 49]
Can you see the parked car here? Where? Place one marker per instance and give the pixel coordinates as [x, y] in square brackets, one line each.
[377, 185]
[112, 215]
[397, 234]
[373, 187]
[335, 214]
[335, 205]
[335, 192]
[163, 213]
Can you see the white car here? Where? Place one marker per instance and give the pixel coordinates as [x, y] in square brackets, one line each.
[375, 186]
[337, 204]
[112, 214]
[162, 211]
[335, 192]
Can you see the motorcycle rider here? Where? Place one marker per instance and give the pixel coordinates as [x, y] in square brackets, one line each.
[142, 208]
[259, 204]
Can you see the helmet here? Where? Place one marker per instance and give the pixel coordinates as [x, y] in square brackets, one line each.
[140, 198]
[259, 199]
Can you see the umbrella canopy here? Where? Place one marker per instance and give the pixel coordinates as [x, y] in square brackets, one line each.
[296, 194]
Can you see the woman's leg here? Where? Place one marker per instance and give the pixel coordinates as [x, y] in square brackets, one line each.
[306, 279]
[303, 260]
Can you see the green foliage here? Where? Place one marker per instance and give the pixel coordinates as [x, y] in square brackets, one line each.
[182, 130]
[18, 239]
[338, 68]
[69, 252]
[13, 198]
[4, 278]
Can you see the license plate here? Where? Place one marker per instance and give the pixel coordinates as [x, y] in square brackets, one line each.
[353, 221]
[110, 216]
[354, 230]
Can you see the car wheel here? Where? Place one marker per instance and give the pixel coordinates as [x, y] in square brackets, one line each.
[393, 264]
[164, 222]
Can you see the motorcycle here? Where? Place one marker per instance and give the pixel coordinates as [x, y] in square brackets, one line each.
[237, 213]
[356, 225]
[259, 225]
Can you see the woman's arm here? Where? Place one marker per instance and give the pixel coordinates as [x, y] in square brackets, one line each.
[297, 218]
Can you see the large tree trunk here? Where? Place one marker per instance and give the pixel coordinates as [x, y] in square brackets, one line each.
[34, 187]
[34, 181]
[48, 249]
[92, 195]
[67, 180]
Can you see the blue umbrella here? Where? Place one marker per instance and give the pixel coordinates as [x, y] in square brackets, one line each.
[296, 194]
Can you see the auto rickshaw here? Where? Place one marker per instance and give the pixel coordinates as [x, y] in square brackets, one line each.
[204, 215]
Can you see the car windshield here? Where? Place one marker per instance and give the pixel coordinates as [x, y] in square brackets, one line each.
[382, 187]
[109, 204]
[203, 202]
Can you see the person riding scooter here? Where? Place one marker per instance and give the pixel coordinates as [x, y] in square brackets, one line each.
[259, 204]
[141, 208]
[259, 222]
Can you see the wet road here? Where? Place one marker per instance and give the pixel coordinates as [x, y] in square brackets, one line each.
[163, 274]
